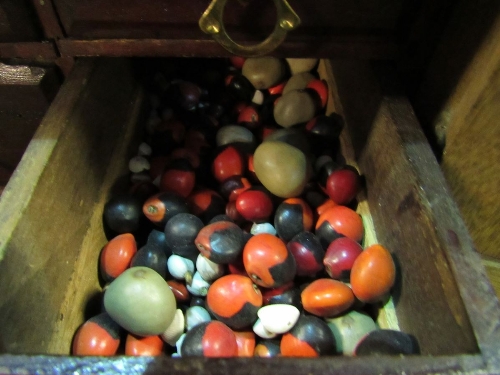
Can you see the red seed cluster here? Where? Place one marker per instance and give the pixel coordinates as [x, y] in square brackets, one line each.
[252, 273]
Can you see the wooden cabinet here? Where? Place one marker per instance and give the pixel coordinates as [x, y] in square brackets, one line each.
[442, 296]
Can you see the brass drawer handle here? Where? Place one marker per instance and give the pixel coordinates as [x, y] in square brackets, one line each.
[211, 23]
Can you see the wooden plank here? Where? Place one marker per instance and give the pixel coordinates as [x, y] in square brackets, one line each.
[48, 18]
[51, 196]
[448, 303]
[459, 102]
[28, 50]
[25, 95]
[461, 67]
[387, 365]
[18, 22]
[492, 267]
[342, 47]
[244, 20]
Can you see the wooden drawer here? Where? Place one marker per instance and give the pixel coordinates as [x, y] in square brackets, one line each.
[366, 29]
[51, 232]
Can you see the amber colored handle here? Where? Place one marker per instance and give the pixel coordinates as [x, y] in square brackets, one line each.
[211, 23]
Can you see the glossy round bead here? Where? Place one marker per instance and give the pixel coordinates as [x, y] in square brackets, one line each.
[340, 256]
[254, 205]
[234, 300]
[234, 186]
[339, 221]
[307, 252]
[116, 256]
[267, 261]
[310, 337]
[267, 349]
[179, 290]
[221, 242]
[99, 336]
[143, 346]
[246, 343]
[206, 204]
[151, 257]
[321, 89]
[387, 342]
[228, 162]
[210, 339]
[342, 185]
[178, 177]
[180, 233]
[373, 274]
[249, 117]
[286, 294]
[161, 207]
[292, 216]
[122, 213]
[349, 329]
[327, 297]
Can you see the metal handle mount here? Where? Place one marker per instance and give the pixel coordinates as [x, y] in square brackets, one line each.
[211, 22]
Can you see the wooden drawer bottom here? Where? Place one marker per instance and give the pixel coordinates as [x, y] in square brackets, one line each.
[51, 232]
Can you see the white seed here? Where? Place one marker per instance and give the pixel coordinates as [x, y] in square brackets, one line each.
[180, 268]
[196, 315]
[198, 286]
[233, 133]
[261, 331]
[175, 329]
[138, 164]
[258, 97]
[144, 149]
[178, 344]
[207, 269]
[278, 318]
[263, 228]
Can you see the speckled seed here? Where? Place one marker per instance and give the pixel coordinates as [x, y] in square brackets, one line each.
[349, 329]
[175, 329]
[293, 108]
[263, 72]
[281, 168]
[301, 65]
[234, 133]
[278, 318]
[298, 81]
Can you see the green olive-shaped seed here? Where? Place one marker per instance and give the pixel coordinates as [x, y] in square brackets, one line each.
[301, 65]
[294, 108]
[281, 168]
[298, 81]
[263, 72]
[140, 301]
